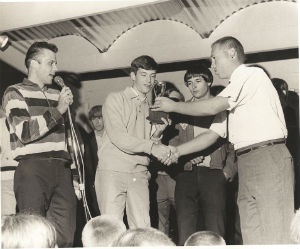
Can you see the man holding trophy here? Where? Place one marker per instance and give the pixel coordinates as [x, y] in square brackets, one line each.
[129, 139]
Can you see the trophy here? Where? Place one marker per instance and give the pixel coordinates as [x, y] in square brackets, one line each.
[159, 90]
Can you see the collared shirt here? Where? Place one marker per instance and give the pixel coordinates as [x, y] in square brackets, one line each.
[126, 139]
[255, 112]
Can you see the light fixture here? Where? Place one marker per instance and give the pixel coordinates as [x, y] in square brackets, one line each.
[3, 40]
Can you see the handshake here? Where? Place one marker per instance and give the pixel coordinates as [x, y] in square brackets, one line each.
[165, 154]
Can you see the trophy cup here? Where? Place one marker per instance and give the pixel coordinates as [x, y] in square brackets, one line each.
[159, 90]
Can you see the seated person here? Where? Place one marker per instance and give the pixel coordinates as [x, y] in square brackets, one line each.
[144, 237]
[102, 231]
[26, 230]
[205, 238]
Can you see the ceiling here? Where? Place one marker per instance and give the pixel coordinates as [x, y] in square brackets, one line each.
[104, 35]
[103, 29]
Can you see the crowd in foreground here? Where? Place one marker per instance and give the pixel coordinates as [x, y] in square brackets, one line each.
[35, 231]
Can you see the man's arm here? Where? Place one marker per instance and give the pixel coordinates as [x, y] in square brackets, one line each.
[206, 107]
[27, 128]
[199, 143]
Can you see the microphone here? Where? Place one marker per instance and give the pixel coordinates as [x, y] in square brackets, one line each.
[59, 81]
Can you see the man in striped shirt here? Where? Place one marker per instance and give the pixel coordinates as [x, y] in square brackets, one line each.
[34, 110]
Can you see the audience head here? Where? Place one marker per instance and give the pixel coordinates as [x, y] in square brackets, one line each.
[204, 238]
[227, 54]
[102, 230]
[96, 118]
[295, 227]
[143, 73]
[144, 237]
[27, 231]
[282, 89]
[198, 79]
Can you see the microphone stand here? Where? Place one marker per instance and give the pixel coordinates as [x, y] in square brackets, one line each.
[79, 163]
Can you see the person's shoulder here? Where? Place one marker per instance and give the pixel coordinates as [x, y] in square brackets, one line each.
[15, 88]
[115, 98]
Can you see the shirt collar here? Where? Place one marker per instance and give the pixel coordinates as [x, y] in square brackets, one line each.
[236, 71]
[131, 93]
[30, 83]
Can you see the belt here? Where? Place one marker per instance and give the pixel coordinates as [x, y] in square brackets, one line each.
[7, 168]
[240, 152]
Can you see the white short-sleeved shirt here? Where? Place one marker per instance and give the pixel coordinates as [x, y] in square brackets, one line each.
[255, 112]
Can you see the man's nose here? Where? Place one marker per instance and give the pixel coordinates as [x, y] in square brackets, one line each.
[54, 67]
[213, 65]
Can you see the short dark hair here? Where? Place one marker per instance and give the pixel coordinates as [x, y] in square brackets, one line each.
[95, 111]
[204, 238]
[229, 42]
[35, 49]
[198, 70]
[145, 62]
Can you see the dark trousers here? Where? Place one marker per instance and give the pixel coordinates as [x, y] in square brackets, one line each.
[200, 199]
[44, 186]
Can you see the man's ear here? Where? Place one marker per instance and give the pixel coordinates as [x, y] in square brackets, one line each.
[132, 76]
[232, 53]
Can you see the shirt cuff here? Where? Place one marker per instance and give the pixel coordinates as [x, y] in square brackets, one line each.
[148, 147]
[56, 115]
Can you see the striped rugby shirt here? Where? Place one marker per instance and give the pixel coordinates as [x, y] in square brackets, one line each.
[36, 127]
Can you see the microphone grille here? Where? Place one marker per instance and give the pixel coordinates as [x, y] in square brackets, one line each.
[59, 81]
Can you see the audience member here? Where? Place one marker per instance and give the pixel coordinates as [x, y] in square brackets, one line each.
[200, 193]
[34, 111]
[8, 166]
[27, 231]
[122, 175]
[143, 237]
[102, 230]
[92, 142]
[256, 127]
[205, 238]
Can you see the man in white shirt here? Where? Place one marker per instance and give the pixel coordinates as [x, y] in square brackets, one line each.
[258, 131]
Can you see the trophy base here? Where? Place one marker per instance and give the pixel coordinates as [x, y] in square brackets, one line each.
[155, 117]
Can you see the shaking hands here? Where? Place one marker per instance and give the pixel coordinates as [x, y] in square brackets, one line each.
[165, 154]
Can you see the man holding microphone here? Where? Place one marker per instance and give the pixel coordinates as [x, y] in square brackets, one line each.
[34, 111]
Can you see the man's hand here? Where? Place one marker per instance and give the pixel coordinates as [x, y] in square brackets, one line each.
[164, 104]
[65, 99]
[227, 177]
[197, 160]
[160, 151]
[159, 128]
[76, 189]
[172, 157]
